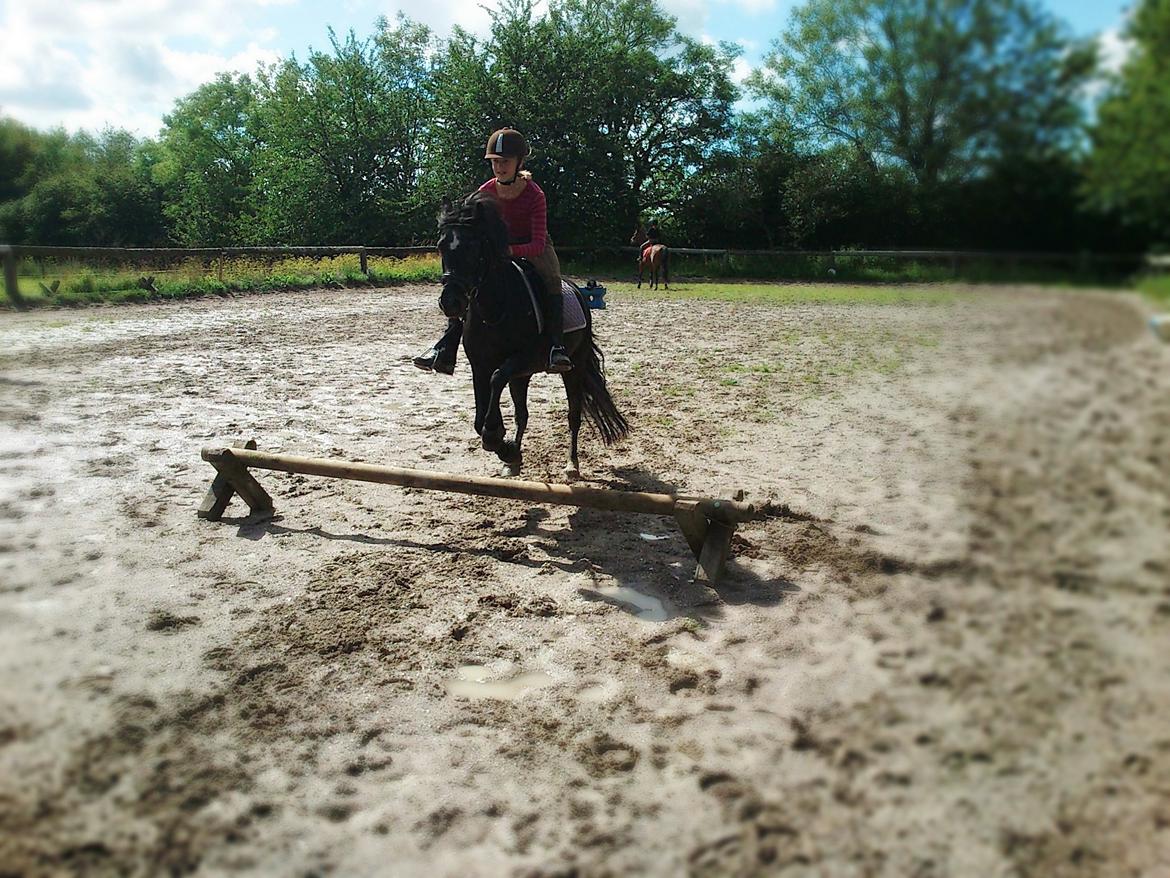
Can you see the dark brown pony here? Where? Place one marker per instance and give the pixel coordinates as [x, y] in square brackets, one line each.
[655, 259]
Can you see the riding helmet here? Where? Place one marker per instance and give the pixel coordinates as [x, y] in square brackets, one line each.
[506, 143]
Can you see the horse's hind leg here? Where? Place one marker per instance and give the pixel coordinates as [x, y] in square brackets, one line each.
[510, 451]
[576, 397]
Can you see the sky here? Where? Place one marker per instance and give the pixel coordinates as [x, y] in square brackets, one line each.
[89, 64]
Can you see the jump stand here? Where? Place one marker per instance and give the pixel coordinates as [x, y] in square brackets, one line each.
[707, 524]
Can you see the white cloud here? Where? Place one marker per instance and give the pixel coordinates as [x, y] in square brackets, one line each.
[91, 63]
[468, 14]
[87, 65]
[754, 7]
[691, 14]
[740, 71]
[217, 21]
[1114, 49]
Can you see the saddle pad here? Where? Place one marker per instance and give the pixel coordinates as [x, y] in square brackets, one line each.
[574, 313]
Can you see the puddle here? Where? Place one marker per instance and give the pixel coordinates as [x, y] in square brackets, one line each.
[475, 681]
[641, 605]
[606, 690]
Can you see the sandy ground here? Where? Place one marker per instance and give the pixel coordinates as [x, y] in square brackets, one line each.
[953, 659]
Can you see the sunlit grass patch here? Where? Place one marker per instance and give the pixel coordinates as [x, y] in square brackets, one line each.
[1157, 288]
[68, 283]
[791, 294]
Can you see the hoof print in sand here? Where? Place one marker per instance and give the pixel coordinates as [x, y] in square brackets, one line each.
[602, 755]
[161, 620]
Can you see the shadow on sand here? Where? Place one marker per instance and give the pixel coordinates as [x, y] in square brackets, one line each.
[640, 563]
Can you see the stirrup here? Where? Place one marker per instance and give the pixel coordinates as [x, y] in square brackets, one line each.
[558, 359]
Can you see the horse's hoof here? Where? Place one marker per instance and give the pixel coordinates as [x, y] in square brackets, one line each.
[510, 470]
[572, 472]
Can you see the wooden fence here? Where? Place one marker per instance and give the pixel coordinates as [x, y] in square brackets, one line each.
[11, 254]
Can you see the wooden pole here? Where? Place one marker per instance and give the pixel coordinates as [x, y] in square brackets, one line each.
[728, 511]
[708, 525]
[11, 284]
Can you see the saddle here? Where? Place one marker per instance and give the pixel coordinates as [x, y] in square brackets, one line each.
[574, 309]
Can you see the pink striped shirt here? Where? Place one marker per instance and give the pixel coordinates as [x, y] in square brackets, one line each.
[526, 217]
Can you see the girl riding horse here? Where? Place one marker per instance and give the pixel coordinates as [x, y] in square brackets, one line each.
[502, 336]
[525, 212]
[652, 255]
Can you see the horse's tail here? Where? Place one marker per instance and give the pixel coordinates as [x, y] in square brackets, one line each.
[599, 405]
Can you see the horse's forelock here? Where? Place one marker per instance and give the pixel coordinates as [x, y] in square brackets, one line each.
[477, 209]
[449, 212]
[463, 212]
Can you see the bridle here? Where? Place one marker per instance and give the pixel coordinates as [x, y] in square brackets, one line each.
[468, 288]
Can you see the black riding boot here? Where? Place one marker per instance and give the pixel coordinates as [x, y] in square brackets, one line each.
[554, 321]
[441, 356]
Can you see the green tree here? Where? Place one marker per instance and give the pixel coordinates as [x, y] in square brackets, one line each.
[204, 163]
[939, 87]
[1129, 167]
[18, 145]
[126, 205]
[620, 107]
[56, 208]
[343, 139]
[737, 199]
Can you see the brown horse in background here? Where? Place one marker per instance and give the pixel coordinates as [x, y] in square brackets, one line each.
[655, 259]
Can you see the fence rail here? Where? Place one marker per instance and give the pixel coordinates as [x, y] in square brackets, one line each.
[131, 254]
[10, 254]
[984, 255]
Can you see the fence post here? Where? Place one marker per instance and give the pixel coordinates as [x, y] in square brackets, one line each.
[10, 282]
[362, 257]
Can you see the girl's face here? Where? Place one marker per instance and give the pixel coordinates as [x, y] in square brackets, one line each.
[505, 169]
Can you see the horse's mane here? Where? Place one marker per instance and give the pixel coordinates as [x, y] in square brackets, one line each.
[479, 209]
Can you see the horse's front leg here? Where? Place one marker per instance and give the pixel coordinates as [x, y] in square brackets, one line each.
[641, 270]
[481, 381]
[510, 451]
[492, 434]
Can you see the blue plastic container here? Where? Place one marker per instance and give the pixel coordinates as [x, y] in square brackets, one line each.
[594, 294]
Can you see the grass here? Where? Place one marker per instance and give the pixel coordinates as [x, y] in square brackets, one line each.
[800, 279]
[1156, 288]
[849, 267]
[788, 294]
[72, 284]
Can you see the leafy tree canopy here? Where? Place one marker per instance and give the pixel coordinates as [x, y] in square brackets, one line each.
[940, 87]
[1129, 167]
